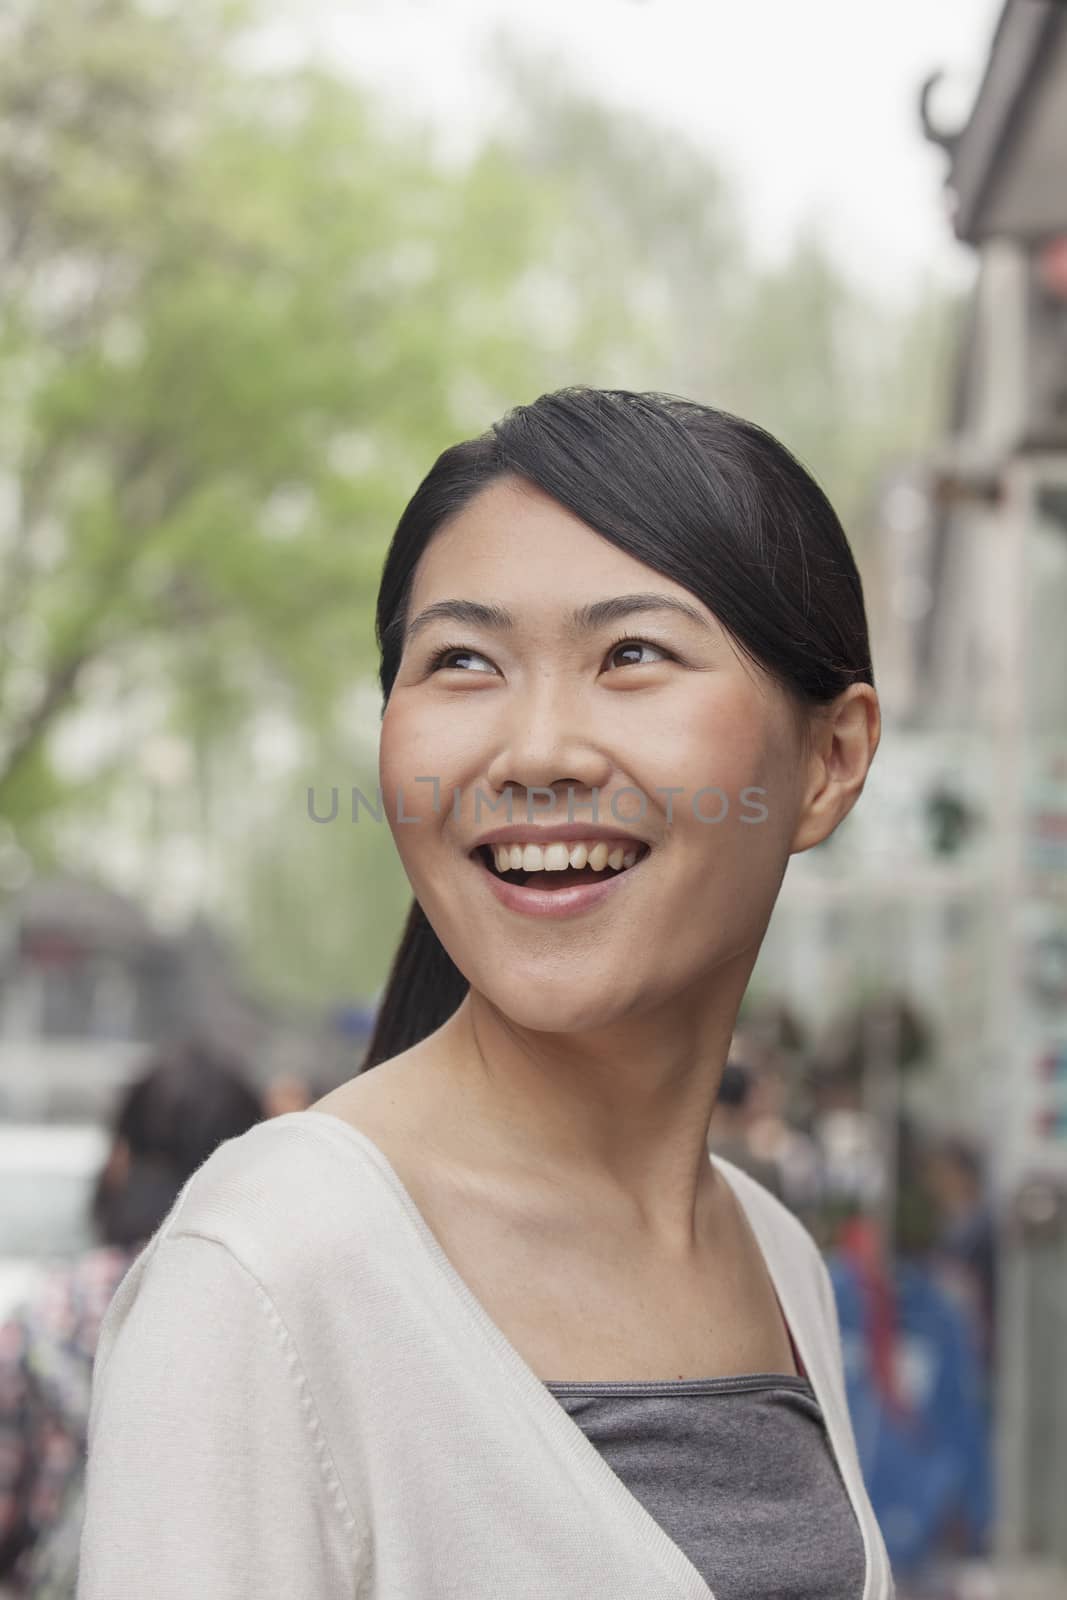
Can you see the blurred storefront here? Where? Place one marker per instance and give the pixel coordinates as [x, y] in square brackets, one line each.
[88, 985]
[948, 884]
[990, 669]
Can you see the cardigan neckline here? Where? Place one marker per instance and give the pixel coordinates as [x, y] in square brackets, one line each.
[551, 1418]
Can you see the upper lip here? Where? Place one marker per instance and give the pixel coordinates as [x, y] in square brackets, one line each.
[567, 832]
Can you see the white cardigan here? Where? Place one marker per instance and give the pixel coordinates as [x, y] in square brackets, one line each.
[297, 1397]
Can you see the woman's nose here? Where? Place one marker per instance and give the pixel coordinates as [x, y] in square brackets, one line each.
[546, 741]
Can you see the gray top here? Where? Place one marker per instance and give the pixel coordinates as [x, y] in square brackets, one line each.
[739, 1473]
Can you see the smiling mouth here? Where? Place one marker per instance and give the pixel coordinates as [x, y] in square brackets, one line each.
[567, 878]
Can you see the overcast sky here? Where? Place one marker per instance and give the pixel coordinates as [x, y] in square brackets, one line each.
[810, 104]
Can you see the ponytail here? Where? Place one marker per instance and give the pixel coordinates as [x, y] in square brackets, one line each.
[423, 990]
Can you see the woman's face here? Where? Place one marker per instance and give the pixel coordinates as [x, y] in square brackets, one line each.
[654, 701]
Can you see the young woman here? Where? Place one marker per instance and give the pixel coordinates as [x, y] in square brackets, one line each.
[489, 1320]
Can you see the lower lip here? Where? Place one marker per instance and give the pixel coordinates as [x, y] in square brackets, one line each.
[554, 902]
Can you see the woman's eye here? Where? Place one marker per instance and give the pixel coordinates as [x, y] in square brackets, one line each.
[447, 657]
[635, 645]
[454, 657]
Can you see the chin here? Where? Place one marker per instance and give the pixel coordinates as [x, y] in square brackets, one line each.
[556, 1005]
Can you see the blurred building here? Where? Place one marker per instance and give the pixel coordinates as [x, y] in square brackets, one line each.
[947, 886]
[87, 985]
[988, 655]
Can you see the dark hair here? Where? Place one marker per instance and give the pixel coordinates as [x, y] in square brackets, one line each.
[735, 1085]
[702, 497]
[190, 1097]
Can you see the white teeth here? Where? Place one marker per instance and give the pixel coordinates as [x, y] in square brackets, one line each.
[558, 856]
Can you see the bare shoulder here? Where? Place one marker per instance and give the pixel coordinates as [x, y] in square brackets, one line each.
[382, 1093]
[397, 1080]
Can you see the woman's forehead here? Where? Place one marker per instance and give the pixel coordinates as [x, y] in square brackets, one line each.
[518, 547]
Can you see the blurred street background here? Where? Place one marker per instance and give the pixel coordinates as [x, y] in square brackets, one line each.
[259, 264]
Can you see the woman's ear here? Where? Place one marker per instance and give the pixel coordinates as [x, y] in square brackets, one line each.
[844, 737]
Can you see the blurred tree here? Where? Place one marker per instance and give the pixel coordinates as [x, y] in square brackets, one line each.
[644, 210]
[241, 312]
[643, 279]
[845, 379]
[238, 318]
[330, 866]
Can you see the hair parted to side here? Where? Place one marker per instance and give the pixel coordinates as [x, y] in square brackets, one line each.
[705, 498]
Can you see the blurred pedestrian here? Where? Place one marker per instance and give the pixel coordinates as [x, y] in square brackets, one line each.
[915, 1392]
[774, 1137]
[188, 1100]
[728, 1128]
[964, 1249]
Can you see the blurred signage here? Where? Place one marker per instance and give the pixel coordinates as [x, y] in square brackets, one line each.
[1046, 811]
[50, 947]
[1046, 348]
[1053, 1064]
[1041, 923]
[1045, 955]
[1051, 263]
[1050, 1109]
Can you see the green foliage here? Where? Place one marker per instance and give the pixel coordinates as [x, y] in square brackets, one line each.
[341, 877]
[240, 315]
[846, 381]
[235, 315]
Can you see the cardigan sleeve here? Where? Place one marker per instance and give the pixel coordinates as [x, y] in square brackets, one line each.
[208, 1475]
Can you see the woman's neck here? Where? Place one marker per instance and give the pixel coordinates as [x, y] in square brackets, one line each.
[613, 1125]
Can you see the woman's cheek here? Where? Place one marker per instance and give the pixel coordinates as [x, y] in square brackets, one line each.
[405, 744]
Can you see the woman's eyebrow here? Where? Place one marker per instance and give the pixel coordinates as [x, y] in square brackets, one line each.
[583, 620]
